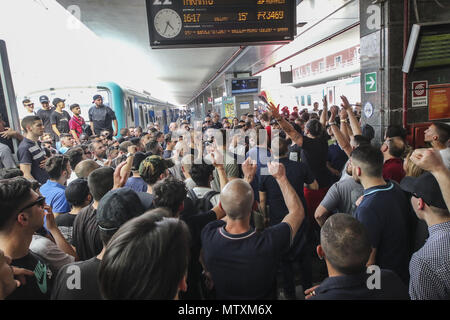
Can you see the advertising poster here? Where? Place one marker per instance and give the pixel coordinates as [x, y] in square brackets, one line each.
[228, 107]
[439, 104]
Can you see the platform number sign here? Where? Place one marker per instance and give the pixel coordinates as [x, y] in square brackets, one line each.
[370, 82]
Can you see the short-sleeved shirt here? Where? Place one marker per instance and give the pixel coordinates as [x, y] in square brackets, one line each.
[89, 288]
[315, 153]
[298, 174]
[102, 117]
[75, 124]
[196, 223]
[430, 266]
[65, 225]
[62, 122]
[354, 287]
[49, 252]
[393, 170]
[146, 200]
[30, 152]
[337, 157]
[385, 213]
[55, 197]
[244, 266]
[6, 158]
[45, 117]
[295, 153]
[86, 235]
[342, 196]
[38, 286]
[445, 154]
[137, 184]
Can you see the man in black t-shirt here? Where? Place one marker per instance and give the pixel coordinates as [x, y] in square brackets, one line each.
[101, 117]
[243, 262]
[23, 212]
[172, 195]
[59, 119]
[86, 236]
[114, 209]
[45, 114]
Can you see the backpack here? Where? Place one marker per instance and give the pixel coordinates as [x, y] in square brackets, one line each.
[202, 204]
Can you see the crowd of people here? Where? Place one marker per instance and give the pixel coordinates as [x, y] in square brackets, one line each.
[222, 209]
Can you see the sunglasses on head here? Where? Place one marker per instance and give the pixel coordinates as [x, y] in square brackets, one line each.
[39, 201]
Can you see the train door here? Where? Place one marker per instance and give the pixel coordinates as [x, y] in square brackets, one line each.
[8, 107]
[129, 111]
[163, 124]
[151, 113]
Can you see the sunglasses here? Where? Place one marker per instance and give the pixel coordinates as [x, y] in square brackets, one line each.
[39, 201]
[29, 105]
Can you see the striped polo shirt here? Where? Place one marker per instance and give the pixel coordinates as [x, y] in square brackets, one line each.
[30, 152]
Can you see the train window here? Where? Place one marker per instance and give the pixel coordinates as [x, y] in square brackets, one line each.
[309, 99]
[303, 100]
[338, 60]
[321, 66]
[141, 116]
[130, 109]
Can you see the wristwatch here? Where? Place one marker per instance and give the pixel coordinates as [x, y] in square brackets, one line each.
[130, 154]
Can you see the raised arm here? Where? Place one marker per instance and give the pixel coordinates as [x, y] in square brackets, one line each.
[354, 124]
[296, 213]
[341, 140]
[295, 136]
[431, 160]
[324, 115]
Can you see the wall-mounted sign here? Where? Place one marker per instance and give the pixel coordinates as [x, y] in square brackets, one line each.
[370, 82]
[368, 110]
[439, 107]
[188, 23]
[419, 94]
[228, 109]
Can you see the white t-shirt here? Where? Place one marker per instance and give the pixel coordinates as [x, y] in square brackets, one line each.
[445, 154]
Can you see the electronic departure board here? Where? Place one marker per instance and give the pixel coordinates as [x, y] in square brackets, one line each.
[194, 23]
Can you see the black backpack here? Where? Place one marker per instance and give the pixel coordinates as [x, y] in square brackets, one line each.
[201, 204]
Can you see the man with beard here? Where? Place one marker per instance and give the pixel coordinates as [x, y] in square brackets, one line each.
[98, 150]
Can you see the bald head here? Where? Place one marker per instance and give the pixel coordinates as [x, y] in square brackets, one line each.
[85, 167]
[237, 199]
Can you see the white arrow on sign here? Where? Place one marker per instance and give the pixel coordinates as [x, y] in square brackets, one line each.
[372, 82]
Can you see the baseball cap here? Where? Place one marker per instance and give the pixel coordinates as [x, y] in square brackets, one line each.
[57, 100]
[97, 96]
[154, 166]
[43, 99]
[426, 187]
[117, 207]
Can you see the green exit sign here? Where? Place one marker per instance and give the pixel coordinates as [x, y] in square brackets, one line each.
[371, 82]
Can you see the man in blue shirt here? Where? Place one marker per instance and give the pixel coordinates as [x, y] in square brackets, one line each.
[345, 246]
[261, 154]
[242, 262]
[384, 211]
[58, 168]
[429, 266]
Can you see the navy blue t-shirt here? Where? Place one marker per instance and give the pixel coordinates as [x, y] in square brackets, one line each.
[354, 287]
[244, 266]
[30, 152]
[298, 174]
[315, 153]
[102, 118]
[385, 213]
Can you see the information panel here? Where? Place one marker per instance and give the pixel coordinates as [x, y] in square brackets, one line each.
[194, 23]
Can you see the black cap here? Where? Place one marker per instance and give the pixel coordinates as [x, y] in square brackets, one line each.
[425, 187]
[97, 96]
[57, 100]
[138, 158]
[117, 207]
[43, 99]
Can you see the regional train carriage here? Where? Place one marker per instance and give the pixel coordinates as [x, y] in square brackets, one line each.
[350, 87]
[132, 108]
